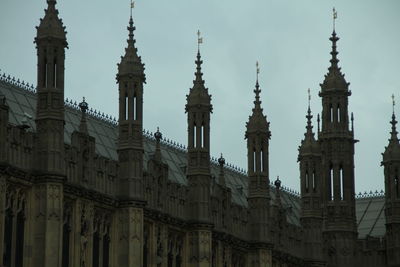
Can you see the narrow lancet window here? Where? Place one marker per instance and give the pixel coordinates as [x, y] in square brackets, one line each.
[314, 185]
[341, 183]
[202, 137]
[338, 113]
[331, 182]
[126, 106]
[45, 72]
[331, 113]
[55, 73]
[134, 108]
[254, 161]
[307, 181]
[262, 160]
[195, 136]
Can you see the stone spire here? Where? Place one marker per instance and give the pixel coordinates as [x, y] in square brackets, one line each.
[334, 79]
[83, 125]
[309, 143]
[51, 25]
[257, 120]
[131, 63]
[393, 148]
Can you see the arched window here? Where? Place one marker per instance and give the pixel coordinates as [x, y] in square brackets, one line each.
[331, 182]
[55, 73]
[106, 251]
[126, 106]
[341, 183]
[194, 135]
[330, 113]
[262, 160]
[338, 113]
[254, 161]
[135, 107]
[314, 182]
[307, 181]
[202, 137]
[44, 72]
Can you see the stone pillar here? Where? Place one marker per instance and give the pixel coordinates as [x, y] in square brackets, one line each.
[130, 237]
[47, 248]
[200, 248]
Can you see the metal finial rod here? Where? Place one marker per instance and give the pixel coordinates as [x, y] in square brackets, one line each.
[199, 39]
[132, 6]
[393, 102]
[334, 18]
[309, 97]
[257, 69]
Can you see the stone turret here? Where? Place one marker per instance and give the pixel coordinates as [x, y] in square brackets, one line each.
[337, 169]
[391, 163]
[310, 187]
[49, 150]
[258, 135]
[130, 79]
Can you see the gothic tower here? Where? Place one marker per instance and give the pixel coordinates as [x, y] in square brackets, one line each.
[258, 135]
[337, 147]
[199, 109]
[310, 188]
[130, 79]
[391, 163]
[49, 151]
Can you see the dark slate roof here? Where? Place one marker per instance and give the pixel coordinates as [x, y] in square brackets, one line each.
[21, 98]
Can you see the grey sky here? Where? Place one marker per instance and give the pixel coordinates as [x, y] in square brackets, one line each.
[288, 38]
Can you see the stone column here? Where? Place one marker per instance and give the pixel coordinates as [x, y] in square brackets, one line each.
[47, 249]
[130, 237]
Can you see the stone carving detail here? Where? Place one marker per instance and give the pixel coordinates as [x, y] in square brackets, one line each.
[86, 213]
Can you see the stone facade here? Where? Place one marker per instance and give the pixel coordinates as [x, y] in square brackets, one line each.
[68, 201]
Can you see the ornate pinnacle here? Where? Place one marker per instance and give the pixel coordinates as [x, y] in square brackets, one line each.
[393, 133]
[221, 162]
[158, 137]
[83, 125]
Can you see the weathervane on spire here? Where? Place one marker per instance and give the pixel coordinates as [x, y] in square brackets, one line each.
[199, 39]
[257, 69]
[334, 18]
[393, 102]
[132, 6]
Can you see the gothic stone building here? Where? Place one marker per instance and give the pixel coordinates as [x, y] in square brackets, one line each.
[78, 189]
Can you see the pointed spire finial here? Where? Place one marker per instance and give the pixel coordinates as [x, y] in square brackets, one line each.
[393, 102]
[158, 137]
[309, 97]
[334, 18]
[132, 6]
[257, 69]
[199, 40]
[257, 90]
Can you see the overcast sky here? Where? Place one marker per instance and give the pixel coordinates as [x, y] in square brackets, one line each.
[288, 38]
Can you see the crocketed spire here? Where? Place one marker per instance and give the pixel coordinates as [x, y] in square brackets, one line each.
[257, 121]
[131, 63]
[334, 79]
[392, 151]
[51, 26]
[309, 144]
[198, 93]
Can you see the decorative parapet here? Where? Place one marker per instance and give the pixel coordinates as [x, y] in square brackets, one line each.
[370, 194]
